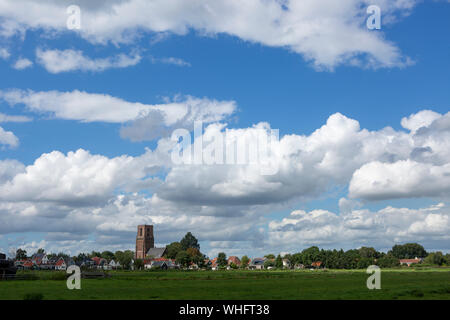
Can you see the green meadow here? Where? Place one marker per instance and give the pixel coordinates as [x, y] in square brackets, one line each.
[235, 284]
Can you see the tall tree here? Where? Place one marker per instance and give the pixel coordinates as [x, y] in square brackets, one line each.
[222, 259]
[40, 251]
[435, 258]
[244, 262]
[108, 255]
[189, 241]
[279, 262]
[408, 251]
[21, 254]
[368, 252]
[183, 258]
[173, 249]
[124, 258]
[139, 264]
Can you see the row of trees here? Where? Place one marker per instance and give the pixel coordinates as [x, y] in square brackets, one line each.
[351, 259]
[362, 257]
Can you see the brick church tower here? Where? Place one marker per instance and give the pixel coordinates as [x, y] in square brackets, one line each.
[144, 241]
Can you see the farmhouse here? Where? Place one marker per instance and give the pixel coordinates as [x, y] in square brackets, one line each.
[409, 262]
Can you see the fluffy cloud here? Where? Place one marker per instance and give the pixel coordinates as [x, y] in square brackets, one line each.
[326, 32]
[79, 194]
[401, 179]
[143, 119]
[424, 173]
[9, 118]
[77, 178]
[8, 138]
[349, 229]
[22, 64]
[56, 61]
[307, 165]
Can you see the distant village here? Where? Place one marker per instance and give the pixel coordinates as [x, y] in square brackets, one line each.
[186, 255]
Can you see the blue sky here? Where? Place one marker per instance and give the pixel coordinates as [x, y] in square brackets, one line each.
[280, 85]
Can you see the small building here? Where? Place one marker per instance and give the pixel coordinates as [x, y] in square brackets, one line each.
[39, 258]
[235, 260]
[161, 263]
[409, 262]
[286, 264]
[29, 265]
[114, 265]
[257, 264]
[61, 264]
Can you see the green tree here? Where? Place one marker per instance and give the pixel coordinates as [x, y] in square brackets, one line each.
[233, 266]
[222, 260]
[269, 263]
[189, 241]
[138, 264]
[435, 258]
[108, 255]
[21, 254]
[279, 262]
[95, 254]
[40, 251]
[63, 255]
[408, 251]
[368, 252]
[80, 257]
[195, 255]
[124, 258]
[363, 263]
[269, 256]
[173, 249]
[244, 262]
[310, 255]
[183, 258]
[388, 261]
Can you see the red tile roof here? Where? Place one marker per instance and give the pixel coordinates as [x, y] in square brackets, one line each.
[409, 260]
[28, 264]
[316, 264]
[235, 260]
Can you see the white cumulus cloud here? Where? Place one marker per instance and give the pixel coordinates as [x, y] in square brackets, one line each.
[57, 61]
[327, 32]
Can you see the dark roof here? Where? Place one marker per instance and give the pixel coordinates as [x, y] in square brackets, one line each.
[159, 263]
[257, 261]
[156, 252]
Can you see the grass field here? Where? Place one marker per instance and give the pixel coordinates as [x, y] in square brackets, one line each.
[229, 285]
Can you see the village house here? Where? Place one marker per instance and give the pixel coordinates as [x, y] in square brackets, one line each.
[409, 262]
[233, 260]
[257, 264]
[162, 263]
[214, 264]
[39, 258]
[114, 265]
